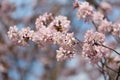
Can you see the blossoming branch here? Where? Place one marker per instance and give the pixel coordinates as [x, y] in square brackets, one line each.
[86, 11]
[51, 29]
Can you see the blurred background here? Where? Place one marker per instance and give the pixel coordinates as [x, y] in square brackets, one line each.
[34, 63]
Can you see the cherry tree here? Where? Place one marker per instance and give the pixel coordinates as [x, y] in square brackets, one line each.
[53, 36]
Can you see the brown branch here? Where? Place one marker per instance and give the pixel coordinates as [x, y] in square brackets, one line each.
[118, 74]
[111, 49]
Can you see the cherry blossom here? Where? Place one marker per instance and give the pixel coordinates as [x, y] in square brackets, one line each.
[43, 20]
[97, 17]
[63, 54]
[60, 24]
[85, 11]
[92, 47]
[116, 30]
[20, 37]
[13, 34]
[105, 26]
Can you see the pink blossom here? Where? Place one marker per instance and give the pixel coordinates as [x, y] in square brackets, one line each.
[20, 37]
[63, 54]
[85, 11]
[43, 20]
[92, 47]
[60, 24]
[97, 17]
[43, 36]
[64, 39]
[106, 7]
[13, 34]
[25, 35]
[116, 30]
[105, 26]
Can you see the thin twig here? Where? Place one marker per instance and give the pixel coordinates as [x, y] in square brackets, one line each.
[111, 49]
[95, 26]
[109, 67]
[118, 74]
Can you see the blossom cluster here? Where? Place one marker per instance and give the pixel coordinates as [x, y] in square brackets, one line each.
[49, 30]
[20, 37]
[86, 11]
[92, 47]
